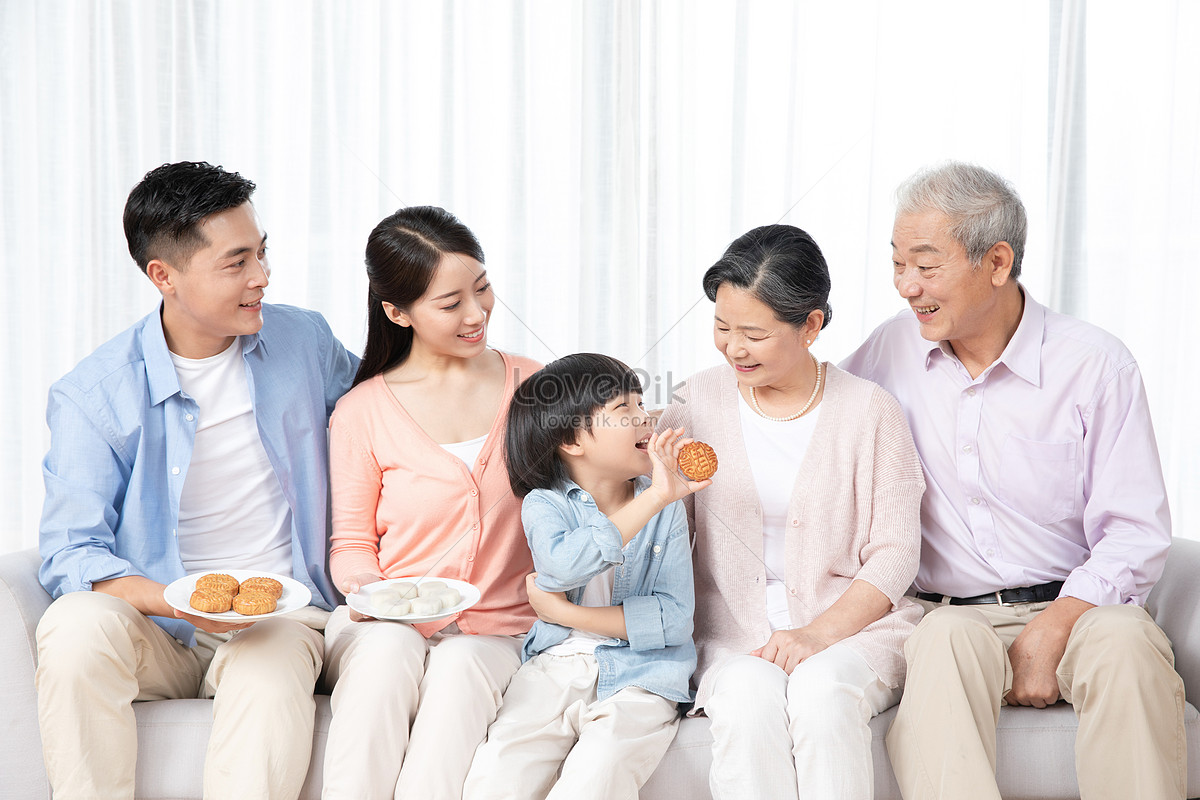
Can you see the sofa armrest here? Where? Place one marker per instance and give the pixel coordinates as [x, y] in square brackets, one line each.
[1175, 605]
[22, 603]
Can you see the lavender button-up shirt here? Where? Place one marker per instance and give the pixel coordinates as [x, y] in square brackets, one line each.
[1044, 468]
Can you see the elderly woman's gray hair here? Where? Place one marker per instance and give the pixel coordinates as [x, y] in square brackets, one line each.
[982, 207]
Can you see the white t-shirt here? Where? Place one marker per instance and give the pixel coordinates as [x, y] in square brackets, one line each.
[232, 512]
[468, 451]
[776, 450]
[597, 594]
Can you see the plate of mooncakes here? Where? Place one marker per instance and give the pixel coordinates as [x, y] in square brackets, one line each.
[192, 593]
[411, 600]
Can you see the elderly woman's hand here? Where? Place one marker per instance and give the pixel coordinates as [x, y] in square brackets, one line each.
[786, 649]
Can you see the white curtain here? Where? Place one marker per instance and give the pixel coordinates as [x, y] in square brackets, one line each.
[605, 153]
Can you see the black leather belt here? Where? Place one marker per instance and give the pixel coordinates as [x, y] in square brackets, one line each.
[1005, 597]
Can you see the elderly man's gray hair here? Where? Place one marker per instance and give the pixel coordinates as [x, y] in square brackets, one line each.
[982, 207]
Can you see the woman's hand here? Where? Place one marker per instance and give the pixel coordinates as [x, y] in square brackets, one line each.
[666, 479]
[547, 605]
[351, 586]
[786, 649]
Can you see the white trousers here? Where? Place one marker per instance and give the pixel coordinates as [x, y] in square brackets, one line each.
[801, 736]
[408, 711]
[97, 655]
[551, 717]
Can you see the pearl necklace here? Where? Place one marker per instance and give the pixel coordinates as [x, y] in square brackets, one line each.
[811, 398]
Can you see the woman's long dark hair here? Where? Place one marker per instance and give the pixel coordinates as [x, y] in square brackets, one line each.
[403, 254]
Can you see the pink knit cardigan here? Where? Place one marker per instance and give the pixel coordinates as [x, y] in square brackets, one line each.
[854, 514]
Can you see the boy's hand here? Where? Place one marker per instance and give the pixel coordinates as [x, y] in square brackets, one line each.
[548, 605]
[666, 479]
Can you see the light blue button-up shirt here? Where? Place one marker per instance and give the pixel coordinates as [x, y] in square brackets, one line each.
[572, 542]
[121, 437]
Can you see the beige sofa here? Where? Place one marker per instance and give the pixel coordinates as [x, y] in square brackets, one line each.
[1035, 748]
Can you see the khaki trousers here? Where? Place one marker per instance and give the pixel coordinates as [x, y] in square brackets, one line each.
[408, 711]
[97, 655]
[607, 749]
[1117, 671]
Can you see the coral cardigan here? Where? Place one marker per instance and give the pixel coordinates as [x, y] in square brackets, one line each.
[854, 514]
[404, 506]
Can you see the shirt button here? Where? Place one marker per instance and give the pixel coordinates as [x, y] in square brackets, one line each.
[482, 461]
[475, 527]
[585, 497]
[471, 557]
[795, 523]
[792, 592]
[658, 548]
[174, 470]
[967, 449]
[188, 417]
[974, 501]
[971, 391]
[991, 552]
[474, 493]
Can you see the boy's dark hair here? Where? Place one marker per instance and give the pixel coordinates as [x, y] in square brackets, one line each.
[403, 254]
[550, 408]
[164, 211]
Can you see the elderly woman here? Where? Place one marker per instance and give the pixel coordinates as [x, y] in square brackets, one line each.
[807, 539]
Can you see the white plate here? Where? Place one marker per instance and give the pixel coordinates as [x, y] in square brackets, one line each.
[361, 600]
[295, 595]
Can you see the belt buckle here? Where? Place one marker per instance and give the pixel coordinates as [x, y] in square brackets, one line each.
[1000, 600]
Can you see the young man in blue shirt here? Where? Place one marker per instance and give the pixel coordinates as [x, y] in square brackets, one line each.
[193, 441]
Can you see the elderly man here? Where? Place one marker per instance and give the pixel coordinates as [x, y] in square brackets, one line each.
[1045, 521]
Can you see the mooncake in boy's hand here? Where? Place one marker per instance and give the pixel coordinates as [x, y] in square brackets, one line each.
[698, 461]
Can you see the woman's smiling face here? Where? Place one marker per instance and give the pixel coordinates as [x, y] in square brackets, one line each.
[762, 349]
[451, 317]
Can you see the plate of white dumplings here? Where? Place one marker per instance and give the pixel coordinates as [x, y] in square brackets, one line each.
[413, 599]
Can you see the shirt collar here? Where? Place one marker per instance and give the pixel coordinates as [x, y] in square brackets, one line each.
[576, 492]
[1022, 355]
[161, 376]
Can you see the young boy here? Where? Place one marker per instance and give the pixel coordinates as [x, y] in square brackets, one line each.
[611, 655]
[194, 440]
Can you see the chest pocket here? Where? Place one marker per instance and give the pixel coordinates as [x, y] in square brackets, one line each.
[1038, 479]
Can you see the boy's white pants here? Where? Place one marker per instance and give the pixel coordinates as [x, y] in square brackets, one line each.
[97, 654]
[551, 717]
[408, 711]
[805, 735]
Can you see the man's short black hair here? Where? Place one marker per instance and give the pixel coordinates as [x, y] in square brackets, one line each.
[164, 211]
[551, 407]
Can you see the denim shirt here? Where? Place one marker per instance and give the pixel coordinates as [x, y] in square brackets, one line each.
[572, 542]
[121, 437]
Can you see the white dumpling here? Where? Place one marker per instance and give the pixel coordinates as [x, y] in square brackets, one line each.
[405, 589]
[424, 606]
[450, 597]
[398, 609]
[382, 599]
[430, 588]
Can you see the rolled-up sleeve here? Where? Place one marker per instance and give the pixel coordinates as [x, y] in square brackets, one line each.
[663, 618]
[85, 480]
